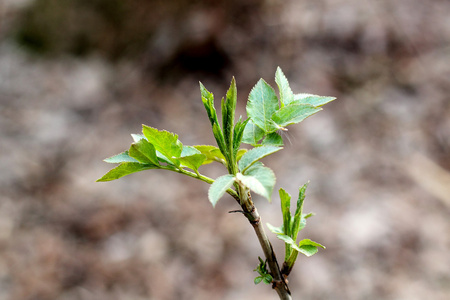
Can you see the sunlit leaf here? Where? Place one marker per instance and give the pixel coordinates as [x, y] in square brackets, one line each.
[286, 95]
[120, 158]
[293, 113]
[262, 103]
[219, 187]
[255, 154]
[124, 169]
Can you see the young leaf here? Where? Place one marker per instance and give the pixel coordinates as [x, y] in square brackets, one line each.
[286, 95]
[144, 152]
[238, 134]
[240, 153]
[311, 99]
[219, 187]
[252, 134]
[212, 153]
[252, 156]
[138, 137]
[120, 158]
[276, 230]
[259, 179]
[165, 142]
[192, 158]
[262, 103]
[306, 246]
[124, 169]
[286, 210]
[299, 220]
[258, 279]
[293, 113]
[228, 110]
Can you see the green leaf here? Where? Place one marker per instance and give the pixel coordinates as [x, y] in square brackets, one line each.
[219, 187]
[299, 221]
[293, 113]
[273, 139]
[137, 137]
[165, 142]
[252, 156]
[252, 134]
[228, 110]
[238, 134]
[314, 100]
[124, 169]
[261, 105]
[259, 179]
[258, 279]
[286, 210]
[120, 158]
[212, 154]
[268, 279]
[286, 95]
[306, 246]
[218, 135]
[144, 152]
[192, 158]
[276, 230]
[240, 153]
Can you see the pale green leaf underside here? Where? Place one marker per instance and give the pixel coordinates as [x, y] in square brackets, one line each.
[294, 113]
[262, 103]
[219, 187]
[276, 230]
[273, 139]
[252, 134]
[124, 169]
[306, 246]
[314, 100]
[254, 155]
[120, 158]
[259, 179]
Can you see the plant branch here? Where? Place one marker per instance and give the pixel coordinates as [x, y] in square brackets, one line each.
[254, 218]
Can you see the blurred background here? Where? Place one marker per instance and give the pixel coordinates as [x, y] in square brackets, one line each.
[78, 76]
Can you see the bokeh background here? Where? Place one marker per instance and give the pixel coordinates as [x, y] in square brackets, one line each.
[78, 76]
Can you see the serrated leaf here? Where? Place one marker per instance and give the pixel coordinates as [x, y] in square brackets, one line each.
[261, 105]
[314, 100]
[286, 94]
[252, 134]
[144, 152]
[293, 113]
[259, 179]
[276, 230]
[165, 142]
[219, 187]
[124, 169]
[120, 158]
[273, 139]
[255, 154]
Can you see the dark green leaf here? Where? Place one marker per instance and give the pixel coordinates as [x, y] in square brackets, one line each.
[165, 142]
[293, 113]
[238, 134]
[119, 158]
[261, 105]
[259, 179]
[228, 110]
[144, 152]
[219, 187]
[218, 135]
[252, 134]
[268, 279]
[124, 169]
[314, 100]
[252, 156]
[286, 95]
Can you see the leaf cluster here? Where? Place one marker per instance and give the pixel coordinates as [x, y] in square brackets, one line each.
[264, 275]
[292, 224]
